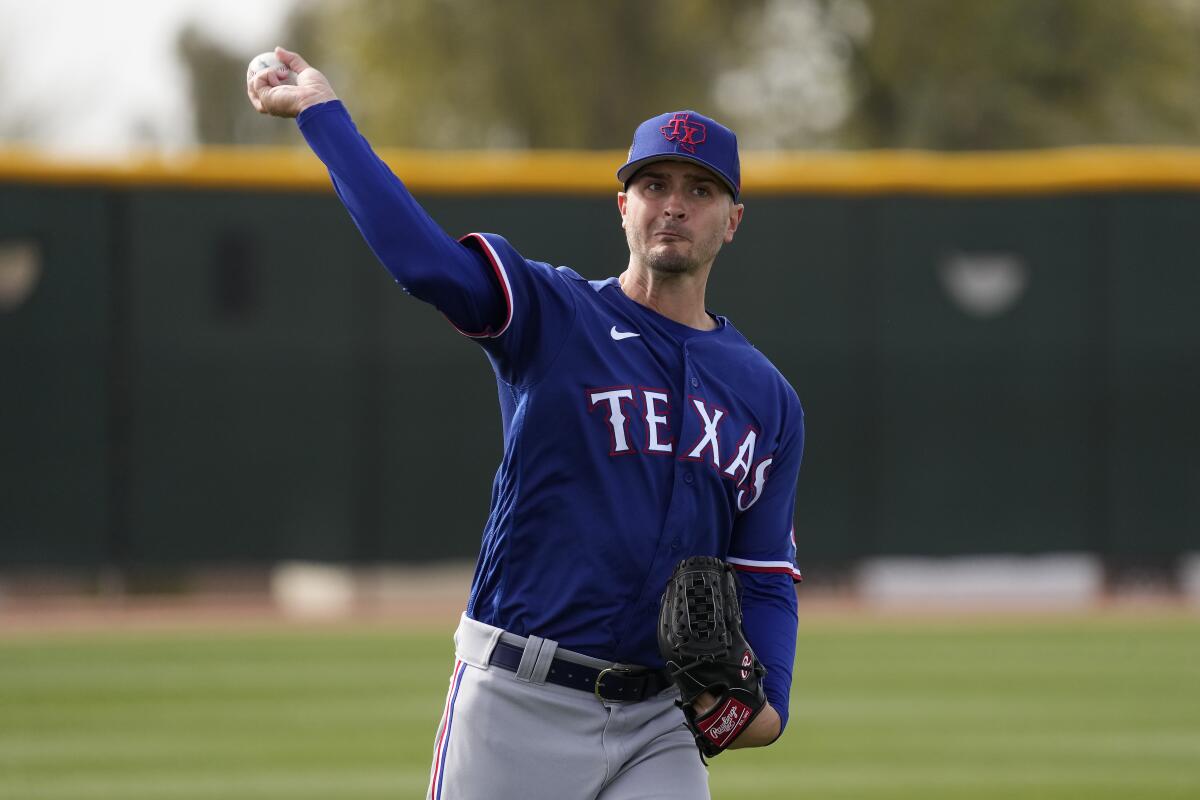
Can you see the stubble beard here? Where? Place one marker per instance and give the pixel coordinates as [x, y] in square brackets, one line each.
[670, 263]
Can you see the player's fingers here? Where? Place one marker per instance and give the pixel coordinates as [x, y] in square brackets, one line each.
[264, 88]
[264, 80]
[256, 84]
[280, 72]
[292, 60]
[256, 81]
[254, 101]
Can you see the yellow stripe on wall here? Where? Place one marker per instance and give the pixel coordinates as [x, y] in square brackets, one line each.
[593, 172]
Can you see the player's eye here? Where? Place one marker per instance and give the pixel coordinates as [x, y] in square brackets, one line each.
[654, 186]
[702, 191]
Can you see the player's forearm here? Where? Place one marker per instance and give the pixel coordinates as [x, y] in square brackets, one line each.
[400, 232]
[422, 258]
[769, 619]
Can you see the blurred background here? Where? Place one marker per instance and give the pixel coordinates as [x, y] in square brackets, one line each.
[996, 349]
[971, 244]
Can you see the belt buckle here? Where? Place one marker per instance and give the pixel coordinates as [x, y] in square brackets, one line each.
[600, 678]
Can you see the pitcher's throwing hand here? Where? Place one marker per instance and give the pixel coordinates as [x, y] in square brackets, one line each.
[270, 93]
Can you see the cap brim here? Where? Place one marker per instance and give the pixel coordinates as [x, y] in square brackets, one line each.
[625, 173]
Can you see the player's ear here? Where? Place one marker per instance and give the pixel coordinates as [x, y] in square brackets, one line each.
[622, 203]
[735, 219]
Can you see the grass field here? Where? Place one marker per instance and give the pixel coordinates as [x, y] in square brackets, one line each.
[1088, 707]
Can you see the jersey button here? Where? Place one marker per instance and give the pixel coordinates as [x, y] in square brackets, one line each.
[675, 544]
[687, 477]
[695, 381]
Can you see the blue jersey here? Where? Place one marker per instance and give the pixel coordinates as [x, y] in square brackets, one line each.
[630, 441]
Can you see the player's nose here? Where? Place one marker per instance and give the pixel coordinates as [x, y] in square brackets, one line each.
[675, 208]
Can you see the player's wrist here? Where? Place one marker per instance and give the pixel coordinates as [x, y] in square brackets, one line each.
[764, 729]
[315, 100]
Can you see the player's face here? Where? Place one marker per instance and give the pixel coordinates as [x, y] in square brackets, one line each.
[676, 216]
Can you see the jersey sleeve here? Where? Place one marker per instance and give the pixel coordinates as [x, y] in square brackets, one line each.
[769, 619]
[763, 538]
[518, 310]
[763, 551]
[426, 262]
[539, 311]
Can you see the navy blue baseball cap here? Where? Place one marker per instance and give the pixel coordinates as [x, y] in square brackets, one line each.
[685, 136]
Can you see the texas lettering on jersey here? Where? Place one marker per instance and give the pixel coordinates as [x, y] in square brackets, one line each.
[653, 408]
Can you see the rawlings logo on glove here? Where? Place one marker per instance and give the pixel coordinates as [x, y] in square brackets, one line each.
[700, 637]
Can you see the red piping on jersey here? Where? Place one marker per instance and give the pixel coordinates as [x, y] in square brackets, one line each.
[502, 276]
[792, 571]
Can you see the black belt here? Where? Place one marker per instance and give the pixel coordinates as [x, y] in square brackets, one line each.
[623, 684]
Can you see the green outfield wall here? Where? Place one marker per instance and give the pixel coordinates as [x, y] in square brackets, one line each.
[215, 370]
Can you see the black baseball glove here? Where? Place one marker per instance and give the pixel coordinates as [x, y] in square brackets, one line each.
[700, 637]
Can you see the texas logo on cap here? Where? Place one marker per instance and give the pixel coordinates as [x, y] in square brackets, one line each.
[681, 129]
[686, 136]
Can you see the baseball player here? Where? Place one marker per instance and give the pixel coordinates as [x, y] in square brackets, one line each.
[639, 430]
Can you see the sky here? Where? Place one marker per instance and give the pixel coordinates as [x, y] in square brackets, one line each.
[102, 78]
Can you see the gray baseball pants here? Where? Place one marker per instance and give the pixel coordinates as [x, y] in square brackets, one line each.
[512, 736]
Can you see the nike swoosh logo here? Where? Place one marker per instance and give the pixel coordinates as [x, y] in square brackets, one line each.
[619, 335]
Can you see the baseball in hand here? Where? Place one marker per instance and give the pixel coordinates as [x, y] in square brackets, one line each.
[268, 61]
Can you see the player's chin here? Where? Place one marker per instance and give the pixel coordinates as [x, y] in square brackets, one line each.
[670, 262]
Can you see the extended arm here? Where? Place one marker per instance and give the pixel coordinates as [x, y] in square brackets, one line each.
[423, 259]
